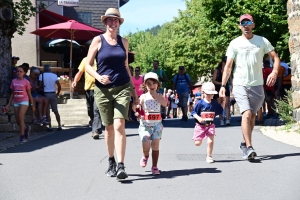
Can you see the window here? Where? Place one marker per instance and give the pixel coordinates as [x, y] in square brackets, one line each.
[85, 17]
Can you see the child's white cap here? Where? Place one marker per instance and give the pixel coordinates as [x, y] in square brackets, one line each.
[209, 88]
[150, 75]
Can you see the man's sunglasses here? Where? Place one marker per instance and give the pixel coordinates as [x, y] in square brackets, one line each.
[137, 70]
[244, 23]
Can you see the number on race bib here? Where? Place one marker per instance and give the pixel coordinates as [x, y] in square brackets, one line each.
[152, 116]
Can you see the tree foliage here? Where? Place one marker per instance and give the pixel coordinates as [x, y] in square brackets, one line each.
[23, 10]
[199, 36]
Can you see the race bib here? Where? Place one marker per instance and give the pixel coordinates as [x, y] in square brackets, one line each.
[18, 94]
[152, 116]
[208, 116]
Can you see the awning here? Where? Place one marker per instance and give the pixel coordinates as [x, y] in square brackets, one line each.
[47, 18]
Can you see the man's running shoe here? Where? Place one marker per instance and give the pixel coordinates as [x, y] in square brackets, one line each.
[121, 174]
[111, 171]
[250, 154]
[26, 132]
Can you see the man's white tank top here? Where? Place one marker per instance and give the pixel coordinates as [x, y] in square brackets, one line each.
[152, 111]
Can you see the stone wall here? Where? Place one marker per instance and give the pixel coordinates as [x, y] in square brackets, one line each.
[293, 9]
[8, 121]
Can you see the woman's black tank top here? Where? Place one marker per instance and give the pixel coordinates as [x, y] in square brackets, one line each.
[111, 61]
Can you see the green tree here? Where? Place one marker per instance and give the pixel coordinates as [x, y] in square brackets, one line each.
[13, 18]
[199, 36]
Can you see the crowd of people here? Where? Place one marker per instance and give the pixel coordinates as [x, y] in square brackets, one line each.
[37, 90]
[117, 92]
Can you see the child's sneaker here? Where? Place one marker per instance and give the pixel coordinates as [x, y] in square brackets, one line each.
[155, 171]
[144, 161]
[209, 159]
[22, 139]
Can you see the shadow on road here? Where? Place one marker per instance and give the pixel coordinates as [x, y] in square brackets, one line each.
[172, 174]
[49, 140]
[276, 157]
[259, 159]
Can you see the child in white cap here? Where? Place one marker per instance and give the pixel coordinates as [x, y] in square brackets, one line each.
[150, 129]
[204, 113]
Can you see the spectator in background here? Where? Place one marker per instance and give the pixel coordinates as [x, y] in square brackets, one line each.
[269, 90]
[283, 80]
[182, 84]
[14, 61]
[162, 79]
[21, 96]
[174, 102]
[224, 101]
[138, 81]
[50, 80]
[161, 75]
[89, 85]
[39, 101]
[130, 113]
[169, 93]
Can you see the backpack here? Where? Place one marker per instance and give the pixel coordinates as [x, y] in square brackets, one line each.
[185, 77]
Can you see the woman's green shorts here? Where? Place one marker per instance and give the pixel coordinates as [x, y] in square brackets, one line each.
[113, 103]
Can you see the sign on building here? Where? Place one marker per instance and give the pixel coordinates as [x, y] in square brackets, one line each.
[68, 3]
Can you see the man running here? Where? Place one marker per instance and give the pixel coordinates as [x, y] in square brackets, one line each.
[247, 52]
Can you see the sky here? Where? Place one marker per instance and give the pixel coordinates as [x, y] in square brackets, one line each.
[140, 15]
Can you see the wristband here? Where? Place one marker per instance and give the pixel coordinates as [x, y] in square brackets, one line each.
[223, 86]
[32, 104]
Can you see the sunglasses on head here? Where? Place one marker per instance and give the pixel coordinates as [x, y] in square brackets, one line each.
[244, 23]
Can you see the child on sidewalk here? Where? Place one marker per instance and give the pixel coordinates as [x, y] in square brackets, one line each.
[204, 113]
[150, 129]
[21, 94]
[174, 106]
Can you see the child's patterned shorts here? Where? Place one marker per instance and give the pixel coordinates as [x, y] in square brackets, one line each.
[150, 132]
[203, 131]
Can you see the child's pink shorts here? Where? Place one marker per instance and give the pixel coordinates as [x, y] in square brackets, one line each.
[203, 131]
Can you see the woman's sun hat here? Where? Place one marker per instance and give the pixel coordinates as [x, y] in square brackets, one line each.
[112, 12]
[151, 75]
[209, 88]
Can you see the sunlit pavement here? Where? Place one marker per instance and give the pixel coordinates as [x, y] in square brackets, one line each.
[71, 165]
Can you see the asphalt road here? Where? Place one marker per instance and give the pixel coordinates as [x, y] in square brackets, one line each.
[71, 165]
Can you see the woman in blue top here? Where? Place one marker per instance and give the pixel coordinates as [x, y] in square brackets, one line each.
[113, 87]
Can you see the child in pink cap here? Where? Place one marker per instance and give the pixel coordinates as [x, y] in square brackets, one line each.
[204, 113]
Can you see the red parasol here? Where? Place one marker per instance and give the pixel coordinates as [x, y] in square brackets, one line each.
[69, 30]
